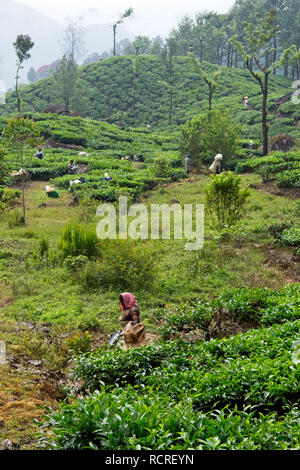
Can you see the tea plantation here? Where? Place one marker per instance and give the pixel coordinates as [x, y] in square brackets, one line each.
[106, 147]
[133, 91]
[237, 393]
[220, 370]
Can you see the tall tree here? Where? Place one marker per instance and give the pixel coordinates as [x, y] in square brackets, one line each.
[211, 81]
[73, 44]
[31, 76]
[168, 78]
[22, 46]
[65, 80]
[258, 34]
[21, 133]
[126, 14]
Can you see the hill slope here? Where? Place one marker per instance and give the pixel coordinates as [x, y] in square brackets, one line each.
[133, 91]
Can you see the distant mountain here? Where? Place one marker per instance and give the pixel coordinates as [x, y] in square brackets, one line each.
[16, 18]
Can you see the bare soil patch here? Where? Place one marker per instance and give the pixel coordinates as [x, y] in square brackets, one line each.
[272, 188]
[286, 260]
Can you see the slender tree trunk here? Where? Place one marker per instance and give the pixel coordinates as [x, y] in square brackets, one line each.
[228, 54]
[115, 32]
[23, 186]
[134, 80]
[275, 52]
[17, 89]
[201, 51]
[265, 128]
[210, 93]
[171, 106]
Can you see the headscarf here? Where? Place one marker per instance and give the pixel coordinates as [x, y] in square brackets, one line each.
[129, 301]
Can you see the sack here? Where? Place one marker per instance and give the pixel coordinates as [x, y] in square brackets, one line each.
[134, 335]
[212, 167]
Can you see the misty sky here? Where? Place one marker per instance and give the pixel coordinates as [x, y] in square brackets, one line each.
[150, 17]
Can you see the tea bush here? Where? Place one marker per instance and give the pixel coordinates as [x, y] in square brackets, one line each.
[282, 168]
[136, 366]
[291, 236]
[183, 396]
[96, 423]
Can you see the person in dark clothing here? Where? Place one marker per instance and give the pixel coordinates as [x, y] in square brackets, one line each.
[187, 163]
[39, 154]
[71, 167]
[130, 309]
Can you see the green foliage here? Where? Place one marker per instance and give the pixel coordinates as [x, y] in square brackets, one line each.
[44, 247]
[175, 383]
[124, 265]
[263, 305]
[3, 164]
[65, 80]
[186, 318]
[15, 218]
[211, 81]
[226, 199]
[75, 263]
[160, 423]
[22, 46]
[277, 228]
[8, 198]
[20, 133]
[206, 135]
[118, 144]
[291, 236]
[283, 168]
[131, 92]
[80, 343]
[77, 239]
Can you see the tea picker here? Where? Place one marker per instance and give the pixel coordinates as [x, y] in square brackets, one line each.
[133, 331]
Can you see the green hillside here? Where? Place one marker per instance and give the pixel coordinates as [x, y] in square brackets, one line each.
[133, 91]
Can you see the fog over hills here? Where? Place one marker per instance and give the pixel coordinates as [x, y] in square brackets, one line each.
[16, 18]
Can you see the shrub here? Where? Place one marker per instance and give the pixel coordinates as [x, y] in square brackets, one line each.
[80, 343]
[75, 263]
[277, 228]
[8, 198]
[44, 247]
[206, 135]
[161, 166]
[77, 239]
[15, 218]
[226, 199]
[291, 236]
[124, 265]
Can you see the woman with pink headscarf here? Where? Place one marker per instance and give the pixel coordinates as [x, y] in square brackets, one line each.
[130, 309]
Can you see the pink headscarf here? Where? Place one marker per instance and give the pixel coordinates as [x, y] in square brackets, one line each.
[129, 300]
